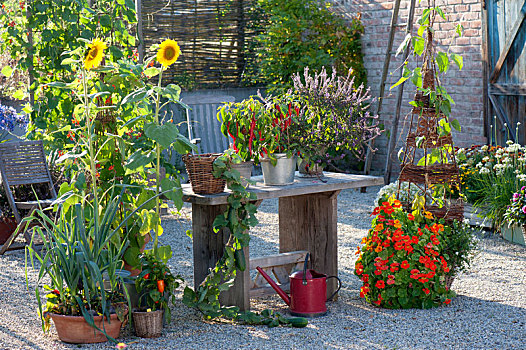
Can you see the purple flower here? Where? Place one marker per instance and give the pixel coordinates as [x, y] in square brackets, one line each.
[523, 188]
[516, 197]
[524, 209]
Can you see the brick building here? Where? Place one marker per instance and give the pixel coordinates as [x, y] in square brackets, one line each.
[465, 87]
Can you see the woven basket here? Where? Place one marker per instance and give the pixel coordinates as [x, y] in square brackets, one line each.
[148, 324]
[199, 168]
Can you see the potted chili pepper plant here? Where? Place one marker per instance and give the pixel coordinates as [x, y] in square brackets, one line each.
[277, 143]
[156, 287]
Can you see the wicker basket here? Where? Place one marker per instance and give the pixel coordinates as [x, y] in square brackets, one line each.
[199, 168]
[148, 324]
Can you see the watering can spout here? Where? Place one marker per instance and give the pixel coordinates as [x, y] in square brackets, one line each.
[273, 284]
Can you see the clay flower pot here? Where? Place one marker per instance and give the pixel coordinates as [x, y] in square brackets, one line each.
[7, 227]
[75, 329]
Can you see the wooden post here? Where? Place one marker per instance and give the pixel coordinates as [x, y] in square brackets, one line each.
[310, 222]
[485, 69]
[209, 248]
[30, 55]
[140, 34]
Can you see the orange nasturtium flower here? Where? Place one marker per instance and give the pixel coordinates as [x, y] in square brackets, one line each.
[168, 53]
[95, 53]
[379, 227]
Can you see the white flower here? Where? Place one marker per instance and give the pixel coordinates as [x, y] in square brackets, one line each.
[500, 151]
[484, 148]
[485, 159]
[509, 142]
[513, 147]
[484, 171]
[521, 177]
[479, 165]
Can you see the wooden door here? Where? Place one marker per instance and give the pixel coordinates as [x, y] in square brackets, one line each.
[506, 52]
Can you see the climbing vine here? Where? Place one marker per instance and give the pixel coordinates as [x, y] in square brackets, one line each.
[237, 219]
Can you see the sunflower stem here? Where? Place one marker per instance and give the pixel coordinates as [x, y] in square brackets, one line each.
[157, 167]
[93, 168]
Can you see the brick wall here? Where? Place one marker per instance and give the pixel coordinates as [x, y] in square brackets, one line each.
[465, 87]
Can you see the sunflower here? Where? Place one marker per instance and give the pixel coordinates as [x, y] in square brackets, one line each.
[94, 55]
[168, 52]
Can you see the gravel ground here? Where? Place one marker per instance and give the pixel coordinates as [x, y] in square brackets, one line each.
[489, 312]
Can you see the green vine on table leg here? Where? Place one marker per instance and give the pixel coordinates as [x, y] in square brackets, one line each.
[238, 219]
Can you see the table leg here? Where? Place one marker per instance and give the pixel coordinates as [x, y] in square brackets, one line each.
[310, 222]
[209, 248]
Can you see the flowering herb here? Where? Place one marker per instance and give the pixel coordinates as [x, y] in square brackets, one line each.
[334, 118]
[401, 264]
[9, 120]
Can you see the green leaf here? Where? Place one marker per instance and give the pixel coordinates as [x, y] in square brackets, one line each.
[19, 94]
[68, 61]
[404, 44]
[440, 12]
[7, 71]
[163, 134]
[139, 159]
[418, 45]
[459, 29]
[182, 145]
[175, 194]
[421, 30]
[455, 124]
[442, 61]
[459, 60]
[152, 72]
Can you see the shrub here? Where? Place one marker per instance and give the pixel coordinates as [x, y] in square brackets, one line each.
[305, 33]
[401, 264]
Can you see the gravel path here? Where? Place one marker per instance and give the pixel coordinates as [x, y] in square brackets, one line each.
[489, 312]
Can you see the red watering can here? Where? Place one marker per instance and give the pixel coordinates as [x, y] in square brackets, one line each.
[308, 291]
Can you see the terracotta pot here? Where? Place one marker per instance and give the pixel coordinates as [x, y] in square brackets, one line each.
[7, 227]
[75, 329]
[127, 267]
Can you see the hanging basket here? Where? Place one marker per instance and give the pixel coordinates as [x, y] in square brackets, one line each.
[199, 168]
[148, 324]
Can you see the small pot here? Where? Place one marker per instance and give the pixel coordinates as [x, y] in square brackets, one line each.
[148, 324]
[309, 169]
[7, 227]
[75, 329]
[245, 170]
[282, 173]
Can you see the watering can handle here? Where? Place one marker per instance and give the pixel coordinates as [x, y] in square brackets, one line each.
[305, 269]
[337, 290]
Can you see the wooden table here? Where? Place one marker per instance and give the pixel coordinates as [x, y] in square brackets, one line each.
[308, 221]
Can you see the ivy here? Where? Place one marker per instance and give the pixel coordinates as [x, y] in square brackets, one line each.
[237, 219]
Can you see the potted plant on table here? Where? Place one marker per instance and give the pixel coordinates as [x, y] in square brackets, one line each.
[277, 144]
[334, 119]
[156, 287]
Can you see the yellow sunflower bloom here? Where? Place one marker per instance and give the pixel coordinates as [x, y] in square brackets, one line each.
[168, 52]
[94, 55]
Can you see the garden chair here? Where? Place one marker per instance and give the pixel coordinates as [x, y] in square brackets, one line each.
[24, 163]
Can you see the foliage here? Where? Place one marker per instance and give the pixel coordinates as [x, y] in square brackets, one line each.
[334, 116]
[237, 219]
[9, 120]
[492, 174]
[55, 27]
[460, 246]
[156, 285]
[305, 33]
[239, 120]
[406, 193]
[402, 263]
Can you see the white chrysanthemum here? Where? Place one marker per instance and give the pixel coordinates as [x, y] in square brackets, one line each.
[484, 148]
[484, 171]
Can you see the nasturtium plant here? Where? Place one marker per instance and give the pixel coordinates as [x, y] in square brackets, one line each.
[402, 263]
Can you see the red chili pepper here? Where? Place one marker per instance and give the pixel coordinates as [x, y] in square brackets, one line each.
[160, 286]
[146, 276]
[251, 138]
[232, 136]
[56, 291]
